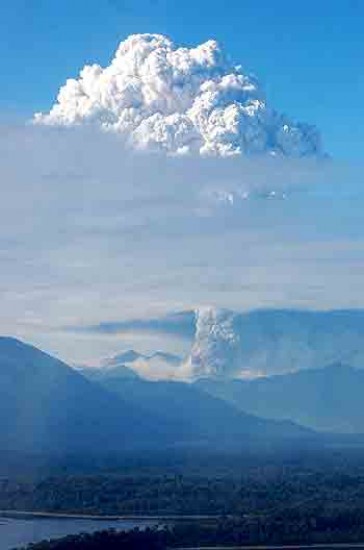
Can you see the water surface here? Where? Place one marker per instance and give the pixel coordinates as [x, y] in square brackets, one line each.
[15, 532]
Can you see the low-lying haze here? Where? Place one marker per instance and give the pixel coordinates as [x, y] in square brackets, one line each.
[92, 232]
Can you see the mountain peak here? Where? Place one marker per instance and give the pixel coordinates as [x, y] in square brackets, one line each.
[12, 341]
[14, 349]
[128, 356]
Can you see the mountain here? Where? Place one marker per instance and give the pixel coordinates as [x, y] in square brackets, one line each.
[130, 363]
[169, 358]
[128, 356]
[328, 399]
[47, 406]
[230, 344]
[199, 417]
[111, 373]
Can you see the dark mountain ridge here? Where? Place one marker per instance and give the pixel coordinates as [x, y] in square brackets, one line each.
[327, 399]
[47, 406]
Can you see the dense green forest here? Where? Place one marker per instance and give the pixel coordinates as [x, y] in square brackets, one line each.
[314, 484]
[261, 493]
[314, 498]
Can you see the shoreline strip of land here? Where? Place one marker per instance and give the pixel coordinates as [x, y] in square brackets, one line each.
[23, 514]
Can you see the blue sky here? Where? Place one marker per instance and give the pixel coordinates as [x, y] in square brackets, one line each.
[307, 54]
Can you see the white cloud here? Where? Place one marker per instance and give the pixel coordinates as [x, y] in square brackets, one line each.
[90, 232]
[216, 343]
[180, 100]
[231, 344]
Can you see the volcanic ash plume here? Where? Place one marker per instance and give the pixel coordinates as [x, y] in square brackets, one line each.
[179, 100]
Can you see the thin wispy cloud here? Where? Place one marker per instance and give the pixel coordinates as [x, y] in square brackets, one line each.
[180, 324]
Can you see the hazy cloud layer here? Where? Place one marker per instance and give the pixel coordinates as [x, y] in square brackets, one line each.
[91, 233]
[180, 324]
[232, 344]
[180, 100]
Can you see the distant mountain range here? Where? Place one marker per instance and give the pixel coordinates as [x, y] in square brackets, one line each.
[132, 356]
[327, 399]
[229, 344]
[118, 372]
[47, 406]
[129, 363]
[196, 413]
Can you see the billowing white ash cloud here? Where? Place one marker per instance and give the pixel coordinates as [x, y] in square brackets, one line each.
[216, 346]
[179, 100]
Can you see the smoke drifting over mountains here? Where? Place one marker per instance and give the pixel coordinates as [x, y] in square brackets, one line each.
[228, 344]
[92, 232]
[179, 100]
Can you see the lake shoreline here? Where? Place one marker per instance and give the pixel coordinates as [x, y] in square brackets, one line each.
[24, 514]
[18, 529]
